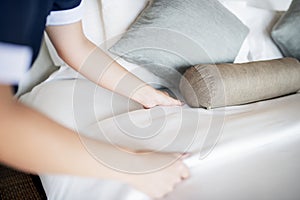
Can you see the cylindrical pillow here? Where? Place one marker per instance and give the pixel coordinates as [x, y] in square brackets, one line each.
[212, 86]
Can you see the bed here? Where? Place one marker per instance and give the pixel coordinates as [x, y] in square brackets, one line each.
[239, 152]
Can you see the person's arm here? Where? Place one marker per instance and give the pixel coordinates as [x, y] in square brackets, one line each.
[89, 60]
[31, 142]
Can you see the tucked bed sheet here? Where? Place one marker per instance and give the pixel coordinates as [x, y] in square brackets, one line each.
[241, 151]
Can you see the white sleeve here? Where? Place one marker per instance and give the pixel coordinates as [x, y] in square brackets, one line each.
[14, 62]
[62, 17]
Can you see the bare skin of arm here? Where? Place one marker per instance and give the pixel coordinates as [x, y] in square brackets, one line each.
[33, 143]
[89, 60]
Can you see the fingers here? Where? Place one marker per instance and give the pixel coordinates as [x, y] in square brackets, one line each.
[177, 155]
[185, 172]
[166, 93]
[161, 98]
[171, 176]
[176, 102]
[181, 155]
[170, 101]
[182, 168]
[185, 155]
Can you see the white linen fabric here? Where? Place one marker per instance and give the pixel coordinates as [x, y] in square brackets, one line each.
[257, 154]
[279, 5]
[258, 44]
[222, 140]
[118, 15]
[275, 5]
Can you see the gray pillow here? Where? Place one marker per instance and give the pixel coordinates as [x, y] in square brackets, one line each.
[170, 36]
[221, 85]
[286, 32]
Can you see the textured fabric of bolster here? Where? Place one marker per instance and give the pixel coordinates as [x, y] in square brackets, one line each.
[221, 85]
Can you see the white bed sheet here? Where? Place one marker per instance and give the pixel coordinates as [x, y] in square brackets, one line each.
[257, 153]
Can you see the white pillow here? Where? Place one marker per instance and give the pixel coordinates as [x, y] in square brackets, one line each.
[118, 15]
[279, 5]
[258, 45]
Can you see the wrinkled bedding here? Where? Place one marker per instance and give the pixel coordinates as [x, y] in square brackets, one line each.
[238, 152]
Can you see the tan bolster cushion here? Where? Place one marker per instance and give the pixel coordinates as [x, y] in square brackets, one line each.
[212, 86]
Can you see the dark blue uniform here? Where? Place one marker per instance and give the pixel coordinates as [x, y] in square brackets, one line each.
[22, 23]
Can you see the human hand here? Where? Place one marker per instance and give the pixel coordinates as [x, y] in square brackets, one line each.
[150, 97]
[159, 183]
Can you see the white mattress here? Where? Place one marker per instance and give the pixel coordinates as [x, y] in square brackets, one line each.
[242, 152]
[239, 152]
[249, 152]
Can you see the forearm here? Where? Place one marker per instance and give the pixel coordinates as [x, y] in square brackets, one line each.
[104, 71]
[33, 143]
[85, 57]
[93, 63]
